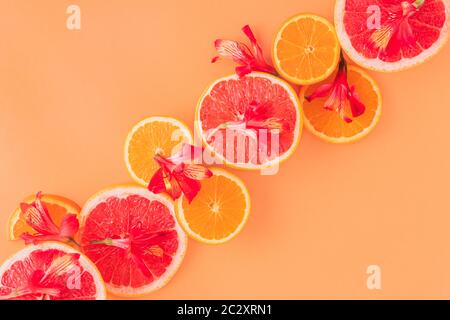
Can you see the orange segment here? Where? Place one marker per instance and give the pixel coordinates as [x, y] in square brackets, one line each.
[218, 212]
[57, 207]
[328, 125]
[149, 137]
[306, 49]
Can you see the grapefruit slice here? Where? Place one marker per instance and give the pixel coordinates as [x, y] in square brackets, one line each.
[218, 212]
[133, 238]
[250, 122]
[151, 136]
[57, 207]
[51, 271]
[329, 125]
[409, 31]
[306, 49]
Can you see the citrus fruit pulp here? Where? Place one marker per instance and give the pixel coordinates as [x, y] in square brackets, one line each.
[328, 125]
[133, 238]
[149, 137]
[246, 109]
[50, 270]
[409, 32]
[57, 207]
[306, 49]
[218, 212]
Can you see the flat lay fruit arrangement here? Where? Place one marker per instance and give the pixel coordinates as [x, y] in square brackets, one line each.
[131, 239]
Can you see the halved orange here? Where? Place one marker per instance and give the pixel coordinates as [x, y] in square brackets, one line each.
[57, 207]
[218, 212]
[306, 49]
[151, 136]
[328, 125]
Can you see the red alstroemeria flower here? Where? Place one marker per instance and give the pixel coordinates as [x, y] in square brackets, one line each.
[397, 32]
[36, 215]
[139, 244]
[248, 60]
[177, 174]
[340, 95]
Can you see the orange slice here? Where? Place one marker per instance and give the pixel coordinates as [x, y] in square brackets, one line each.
[328, 125]
[218, 212]
[149, 137]
[306, 49]
[57, 207]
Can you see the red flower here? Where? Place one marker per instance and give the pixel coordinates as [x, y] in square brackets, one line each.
[41, 281]
[36, 215]
[340, 95]
[140, 244]
[248, 60]
[397, 32]
[177, 174]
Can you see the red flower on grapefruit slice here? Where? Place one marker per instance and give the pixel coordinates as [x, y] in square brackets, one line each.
[50, 271]
[408, 33]
[133, 238]
[249, 122]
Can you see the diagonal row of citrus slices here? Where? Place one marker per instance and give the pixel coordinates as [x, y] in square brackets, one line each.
[131, 240]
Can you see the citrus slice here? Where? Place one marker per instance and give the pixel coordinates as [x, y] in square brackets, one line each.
[306, 49]
[57, 207]
[151, 136]
[386, 35]
[51, 271]
[218, 212]
[249, 122]
[329, 125]
[133, 238]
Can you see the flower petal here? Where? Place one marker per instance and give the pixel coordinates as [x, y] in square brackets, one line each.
[38, 218]
[34, 239]
[356, 105]
[69, 226]
[188, 186]
[196, 171]
[322, 91]
[234, 50]
[242, 71]
[248, 60]
[157, 183]
[61, 265]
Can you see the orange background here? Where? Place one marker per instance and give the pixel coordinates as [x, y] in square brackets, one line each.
[68, 99]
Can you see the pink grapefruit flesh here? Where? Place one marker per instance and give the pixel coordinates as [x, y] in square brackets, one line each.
[50, 271]
[133, 238]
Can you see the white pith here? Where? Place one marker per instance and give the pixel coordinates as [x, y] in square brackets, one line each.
[376, 63]
[121, 193]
